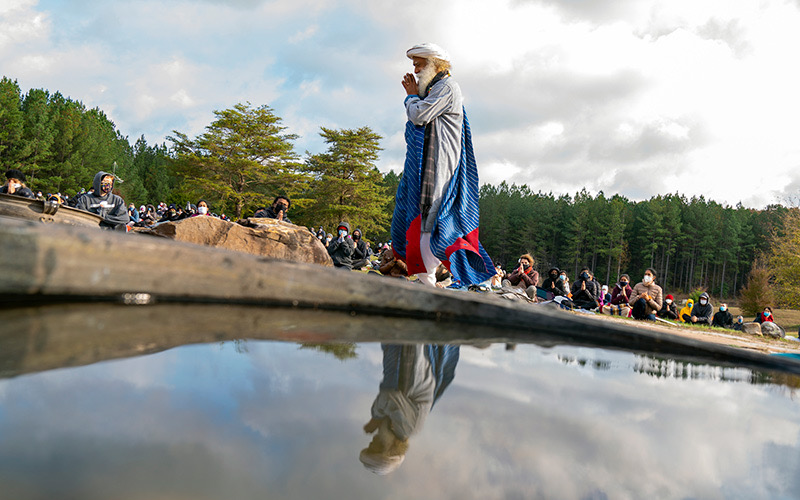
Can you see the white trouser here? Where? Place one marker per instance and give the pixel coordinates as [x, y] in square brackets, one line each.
[430, 260]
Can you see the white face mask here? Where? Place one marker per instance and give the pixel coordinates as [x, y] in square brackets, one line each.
[202, 210]
[669, 301]
[703, 302]
[647, 278]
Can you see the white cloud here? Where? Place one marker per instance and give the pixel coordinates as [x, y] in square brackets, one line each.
[700, 93]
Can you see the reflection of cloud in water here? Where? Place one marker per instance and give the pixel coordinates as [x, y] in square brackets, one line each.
[214, 423]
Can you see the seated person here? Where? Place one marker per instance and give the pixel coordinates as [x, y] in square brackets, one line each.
[360, 251]
[584, 293]
[723, 317]
[172, 214]
[739, 324]
[646, 299]
[391, 266]
[103, 202]
[686, 310]
[620, 295]
[669, 310]
[765, 315]
[202, 208]
[554, 284]
[16, 184]
[702, 312]
[524, 276]
[133, 213]
[499, 274]
[341, 249]
[278, 209]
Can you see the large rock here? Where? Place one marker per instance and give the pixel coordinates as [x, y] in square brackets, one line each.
[263, 237]
[752, 328]
[772, 330]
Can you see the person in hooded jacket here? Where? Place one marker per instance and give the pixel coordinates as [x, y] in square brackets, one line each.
[702, 312]
[669, 310]
[341, 248]
[554, 284]
[584, 291]
[105, 203]
[360, 250]
[686, 310]
[647, 297]
[723, 318]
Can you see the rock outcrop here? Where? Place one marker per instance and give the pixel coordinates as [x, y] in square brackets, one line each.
[256, 236]
[770, 329]
[752, 328]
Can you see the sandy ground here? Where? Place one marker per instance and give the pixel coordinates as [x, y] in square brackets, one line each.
[714, 335]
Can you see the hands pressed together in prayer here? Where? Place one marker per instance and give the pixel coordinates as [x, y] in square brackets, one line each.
[410, 84]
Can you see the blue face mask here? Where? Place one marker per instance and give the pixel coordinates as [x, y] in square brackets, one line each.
[342, 233]
[723, 308]
[766, 314]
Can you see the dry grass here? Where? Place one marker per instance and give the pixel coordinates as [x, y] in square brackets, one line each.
[789, 319]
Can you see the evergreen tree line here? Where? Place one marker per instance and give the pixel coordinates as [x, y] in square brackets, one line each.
[245, 158]
[691, 243]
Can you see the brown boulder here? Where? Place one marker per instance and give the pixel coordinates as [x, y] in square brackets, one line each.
[262, 237]
[752, 328]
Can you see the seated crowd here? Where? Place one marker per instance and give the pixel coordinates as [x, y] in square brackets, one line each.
[644, 301]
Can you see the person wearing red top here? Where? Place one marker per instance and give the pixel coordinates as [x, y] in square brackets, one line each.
[766, 315]
[524, 276]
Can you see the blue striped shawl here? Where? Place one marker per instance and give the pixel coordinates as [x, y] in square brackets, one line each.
[454, 238]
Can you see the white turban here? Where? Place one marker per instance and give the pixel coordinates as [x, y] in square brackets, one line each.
[428, 50]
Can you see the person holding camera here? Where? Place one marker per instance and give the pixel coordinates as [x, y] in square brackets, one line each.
[278, 209]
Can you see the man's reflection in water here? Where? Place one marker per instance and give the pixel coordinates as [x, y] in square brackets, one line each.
[414, 378]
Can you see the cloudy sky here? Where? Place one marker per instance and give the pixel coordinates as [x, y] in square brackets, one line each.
[637, 97]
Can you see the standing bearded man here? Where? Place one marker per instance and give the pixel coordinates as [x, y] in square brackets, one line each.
[436, 212]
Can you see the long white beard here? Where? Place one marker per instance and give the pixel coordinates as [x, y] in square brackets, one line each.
[424, 78]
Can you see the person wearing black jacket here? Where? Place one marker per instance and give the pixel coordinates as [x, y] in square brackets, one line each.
[584, 291]
[554, 284]
[278, 209]
[723, 318]
[360, 251]
[341, 248]
[702, 312]
[668, 309]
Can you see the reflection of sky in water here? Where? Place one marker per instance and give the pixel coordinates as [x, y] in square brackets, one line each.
[271, 420]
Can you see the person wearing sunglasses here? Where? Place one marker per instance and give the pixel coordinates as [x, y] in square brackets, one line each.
[105, 203]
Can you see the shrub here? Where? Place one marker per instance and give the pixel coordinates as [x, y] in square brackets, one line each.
[757, 294]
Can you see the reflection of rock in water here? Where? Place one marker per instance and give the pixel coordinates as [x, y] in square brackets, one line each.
[414, 378]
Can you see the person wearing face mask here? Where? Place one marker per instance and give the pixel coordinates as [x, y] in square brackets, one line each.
[669, 310]
[565, 280]
[723, 318]
[584, 291]
[341, 248]
[103, 202]
[360, 250]
[738, 325]
[278, 209]
[524, 276]
[554, 284]
[702, 312]
[647, 298]
[765, 315]
[620, 295]
[16, 184]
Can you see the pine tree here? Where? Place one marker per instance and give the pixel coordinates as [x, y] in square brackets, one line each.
[243, 159]
[11, 124]
[347, 185]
